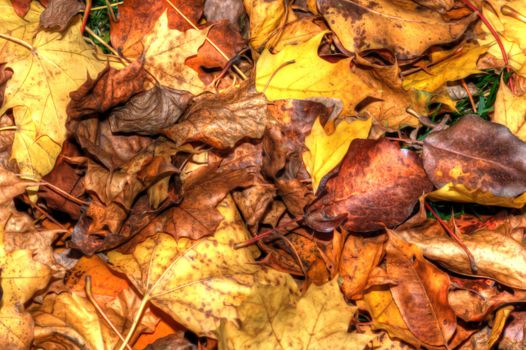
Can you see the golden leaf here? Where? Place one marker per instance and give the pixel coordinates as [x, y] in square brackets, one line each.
[325, 151]
[198, 283]
[166, 52]
[459, 193]
[510, 110]
[44, 74]
[265, 18]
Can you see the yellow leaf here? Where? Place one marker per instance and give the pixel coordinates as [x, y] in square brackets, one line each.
[459, 193]
[271, 320]
[266, 16]
[512, 31]
[198, 283]
[12, 25]
[166, 52]
[457, 67]
[38, 92]
[298, 72]
[510, 110]
[295, 31]
[16, 328]
[498, 324]
[325, 151]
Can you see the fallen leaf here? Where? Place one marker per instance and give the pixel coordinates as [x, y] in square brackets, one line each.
[271, 318]
[265, 18]
[229, 10]
[16, 328]
[403, 27]
[59, 13]
[198, 283]
[171, 342]
[39, 91]
[378, 185]
[497, 255]
[138, 18]
[166, 51]
[421, 293]
[296, 30]
[326, 151]
[510, 111]
[5, 75]
[479, 155]
[359, 258]
[498, 325]
[110, 88]
[21, 7]
[149, 112]
[456, 67]
[222, 121]
[513, 334]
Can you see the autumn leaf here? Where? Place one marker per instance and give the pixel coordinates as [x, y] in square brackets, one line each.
[476, 161]
[265, 18]
[326, 151]
[318, 320]
[166, 51]
[370, 25]
[510, 111]
[39, 91]
[198, 283]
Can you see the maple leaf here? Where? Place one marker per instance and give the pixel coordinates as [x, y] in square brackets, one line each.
[270, 319]
[198, 283]
[510, 111]
[326, 151]
[38, 93]
[166, 52]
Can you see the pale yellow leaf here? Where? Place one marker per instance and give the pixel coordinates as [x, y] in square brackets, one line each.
[510, 110]
[459, 193]
[325, 151]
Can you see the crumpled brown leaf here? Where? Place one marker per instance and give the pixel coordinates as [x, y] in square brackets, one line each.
[110, 88]
[222, 120]
[149, 112]
[58, 14]
[378, 185]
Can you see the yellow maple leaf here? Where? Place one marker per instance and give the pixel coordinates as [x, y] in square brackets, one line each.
[298, 72]
[166, 52]
[510, 110]
[13, 26]
[46, 70]
[454, 68]
[274, 318]
[502, 14]
[198, 283]
[326, 151]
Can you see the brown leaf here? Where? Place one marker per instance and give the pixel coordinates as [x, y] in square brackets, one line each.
[58, 14]
[479, 155]
[222, 120]
[21, 7]
[110, 88]
[96, 138]
[137, 18]
[254, 202]
[5, 75]
[514, 334]
[497, 255]
[147, 113]
[378, 185]
[172, 342]
[421, 293]
[230, 10]
[359, 257]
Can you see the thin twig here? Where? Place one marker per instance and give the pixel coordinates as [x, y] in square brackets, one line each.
[18, 41]
[97, 8]
[110, 11]
[86, 15]
[87, 285]
[284, 64]
[221, 52]
[470, 96]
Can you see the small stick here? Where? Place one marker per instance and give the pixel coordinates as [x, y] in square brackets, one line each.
[264, 234]
[86, 15]
[97, 8]
[470, 96]
[110, 11]
[91, 298]
[455, 237]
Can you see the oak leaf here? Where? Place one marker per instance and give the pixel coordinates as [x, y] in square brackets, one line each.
[39, 91]
[326, 151]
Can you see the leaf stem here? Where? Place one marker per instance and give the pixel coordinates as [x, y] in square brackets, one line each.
[110, 11]
[105, 44]
[18, 41]
[86, 15]
[136, 320]
[97, 8]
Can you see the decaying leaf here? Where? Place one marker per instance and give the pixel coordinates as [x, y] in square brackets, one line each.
[326, 151]
[393, 25]
[59, 13]
[497, 255]
[39, 91]
[479, 155]
[222, 121]
[198, 283]
[377, 186]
